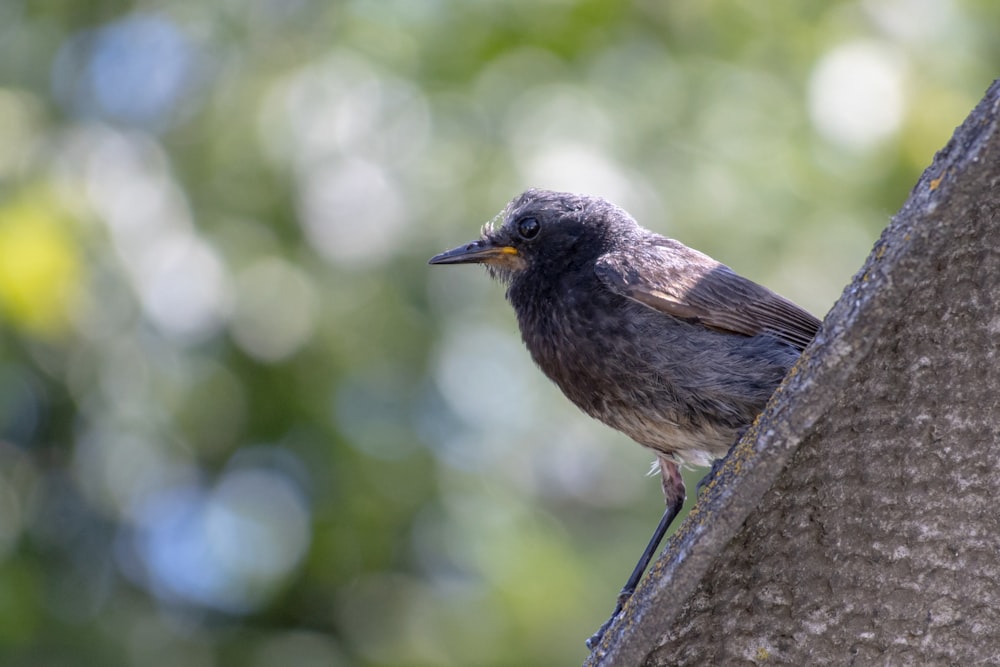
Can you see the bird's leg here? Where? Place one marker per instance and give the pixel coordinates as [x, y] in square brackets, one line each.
[673, 493]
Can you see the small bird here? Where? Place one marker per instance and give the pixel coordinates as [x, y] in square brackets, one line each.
[653, 338]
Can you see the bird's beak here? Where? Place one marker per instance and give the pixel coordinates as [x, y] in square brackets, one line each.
[477, 252]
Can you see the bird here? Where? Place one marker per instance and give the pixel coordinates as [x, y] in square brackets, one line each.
[654, 339]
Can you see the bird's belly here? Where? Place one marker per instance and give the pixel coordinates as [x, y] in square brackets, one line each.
[697, 445]
[677, 388]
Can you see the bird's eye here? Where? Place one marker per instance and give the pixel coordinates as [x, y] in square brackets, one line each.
[528, 228]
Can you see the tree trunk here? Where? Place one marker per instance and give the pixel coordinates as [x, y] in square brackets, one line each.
[856, 524]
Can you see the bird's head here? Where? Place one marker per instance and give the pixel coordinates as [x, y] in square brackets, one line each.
[541, 231]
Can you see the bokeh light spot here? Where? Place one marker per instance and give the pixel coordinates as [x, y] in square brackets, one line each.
[856, 94]
[257, 525]
[185, 288]
[274, 311]
[40, 271]
[227, 548]
[352, 212]
[136, 71]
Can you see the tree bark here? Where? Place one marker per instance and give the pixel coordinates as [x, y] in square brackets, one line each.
[856, 523]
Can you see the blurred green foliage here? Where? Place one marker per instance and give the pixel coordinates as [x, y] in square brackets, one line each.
[243, 423]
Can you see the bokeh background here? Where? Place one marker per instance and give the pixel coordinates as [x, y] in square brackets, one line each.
[242, 422]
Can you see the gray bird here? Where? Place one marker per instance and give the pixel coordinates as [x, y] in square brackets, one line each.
[654, 339]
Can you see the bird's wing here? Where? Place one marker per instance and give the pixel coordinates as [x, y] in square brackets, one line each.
[670, 277]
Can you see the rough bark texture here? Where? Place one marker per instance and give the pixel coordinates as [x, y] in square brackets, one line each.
[857, 523]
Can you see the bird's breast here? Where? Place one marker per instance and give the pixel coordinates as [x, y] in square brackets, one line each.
[589, 342]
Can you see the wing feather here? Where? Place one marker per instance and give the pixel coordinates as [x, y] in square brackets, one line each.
[669, 277]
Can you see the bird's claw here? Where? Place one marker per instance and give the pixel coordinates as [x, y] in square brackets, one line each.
[703, 482]
[597, 636]
[595, 639]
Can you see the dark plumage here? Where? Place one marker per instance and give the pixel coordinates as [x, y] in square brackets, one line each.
[653, 338]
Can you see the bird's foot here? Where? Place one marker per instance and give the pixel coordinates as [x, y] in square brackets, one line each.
[703, 482]
[595, 639]
[717, 463]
